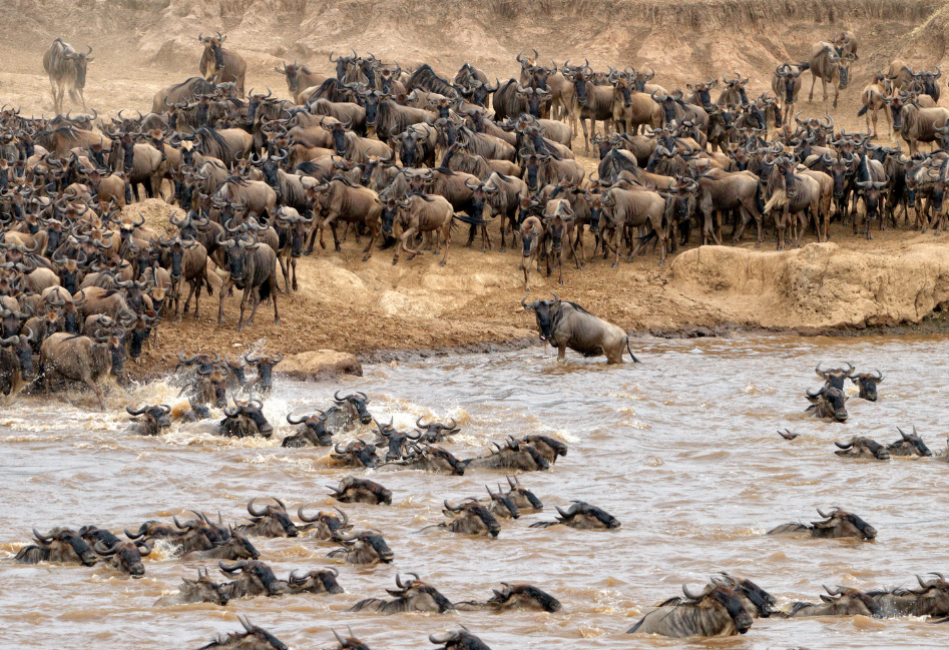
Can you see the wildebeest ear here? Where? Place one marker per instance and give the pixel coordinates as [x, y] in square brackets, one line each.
[826, 599]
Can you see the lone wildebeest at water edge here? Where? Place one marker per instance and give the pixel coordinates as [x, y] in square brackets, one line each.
[568, 325]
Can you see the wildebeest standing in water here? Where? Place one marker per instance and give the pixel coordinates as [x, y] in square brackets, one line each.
[67, 72]
[835, 525]
[568, 325]
[716, 611]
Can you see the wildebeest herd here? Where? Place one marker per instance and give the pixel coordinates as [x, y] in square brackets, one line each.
[391, 151]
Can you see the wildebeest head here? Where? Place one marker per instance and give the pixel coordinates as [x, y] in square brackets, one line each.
[522, 497]
[201, 524]
[843, 68]
[82, 61]
[212, 45]
[356, 453]
[828, 403]
[203, 590]
[20, 346]
[93, 534]
[126, 556]
[867, 383]
[910, 445]
[503, 504]
[842, 601]
[366, 547]
[212, 386]
[546, 312]
[458, 640]
[436, 431]
[265, 366]
[719, 595]
[584, 516]
[757, 601]
[411, 596]
[842, 524]
[271, 520]
[357, 402]
[395, 440]
[523, 596]
[253, 638]
[326, 524]
[315, 582]
[860, 447]
[359, 490]
[155, 417]
[471, 518]
[349, 643]
[548, 447]
[253, 411]
[66, 546]
[255, 577]
[314, 430]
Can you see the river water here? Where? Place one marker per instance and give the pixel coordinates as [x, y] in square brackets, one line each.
[681, 449]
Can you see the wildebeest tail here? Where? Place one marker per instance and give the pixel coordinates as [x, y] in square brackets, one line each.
[863, 111]
[633, 629]
[264, 291]
[759, 202]
[628, 349]
[804, 65]
[469, 220]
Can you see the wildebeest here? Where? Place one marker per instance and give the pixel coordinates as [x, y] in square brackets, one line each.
[412, 596]
[254, 578]
[828, 404]
[418, 214]
[394, 441]
[516, 596]
[582, 516]
[270, 521]
[860, 447]
[470, 518]
[356, 454]
[549, 448]
[312, 433]
[66, 69]
[61, 545]
[366, 547]
[843, 601]
[125, 556]
[566, 324]
[253, 638]
[830, 67]
[251, 266]
[715, 611]
[834, 525]
[867, 383]
[264, 364]
[500, 504]
[202, 590]
[461, 639]
[524, 499]
[155, 419]
[325, 525]
[435, 432]
[931, 599]
[314, 582]
[359, 490]
[244, 420]
[430, 458]
[756, 601]
[16, 363]
[909, 445]
[224, 65]
[873, 98]
[786, 85]
[349, 643]
[235, 547]
[346, 412]
[915, 123]
[299, 78]
[834, 377]
[79, 358]
[513, 455]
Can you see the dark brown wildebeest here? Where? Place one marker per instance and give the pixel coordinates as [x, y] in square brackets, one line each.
[716, 611]
[582, 516]
[867, 383]
[835, 525]
[566, 324]
[461, 639]
[873, 99]
[61, 545]
[828, 403]
[842, 601]
[299, 78]
[253, 638]
[202, 590]
[66, 69]
[359, 490]
[186, 260]
[931, 599]
[224, 65]
[365, 547]
[860, 447]
[16, 363]
[830, 67]
[470, 518]
[834, 377]
[269, 521]
[251, 266]
[721, 192]
[125, 556]
[909, 445]
[516, 597]
[413, 596]
[791, 195]
[786, 85]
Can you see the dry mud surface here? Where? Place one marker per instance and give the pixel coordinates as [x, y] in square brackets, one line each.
[473, 303]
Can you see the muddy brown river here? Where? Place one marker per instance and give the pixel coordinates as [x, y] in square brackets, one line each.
[681, 449]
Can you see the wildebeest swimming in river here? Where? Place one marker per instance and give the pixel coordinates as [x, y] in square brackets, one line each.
[582, 516]
[716, 611]
[412, 596]
[828, 403]
[835, 525]
[253, 638]
[359, 490]
[910, 445]
[515, 597]
[860, 447]
[568, 325]
[842, 601]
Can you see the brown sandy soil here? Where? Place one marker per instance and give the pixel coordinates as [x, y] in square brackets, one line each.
[473, 303]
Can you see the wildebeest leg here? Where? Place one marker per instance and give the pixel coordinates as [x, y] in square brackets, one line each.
[810, 98]
[586, 136]
[573, 250]
[245, 296]
[472, 230]
[562, 352]
[446, 233]
[220, 305]
[293, 263]
[372, 240]
[87, 379]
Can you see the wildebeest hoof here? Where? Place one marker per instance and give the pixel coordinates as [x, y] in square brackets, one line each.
[442, 263]
[365, 259]
[394, 262]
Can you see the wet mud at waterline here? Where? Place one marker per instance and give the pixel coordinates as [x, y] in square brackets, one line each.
[681, 449]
